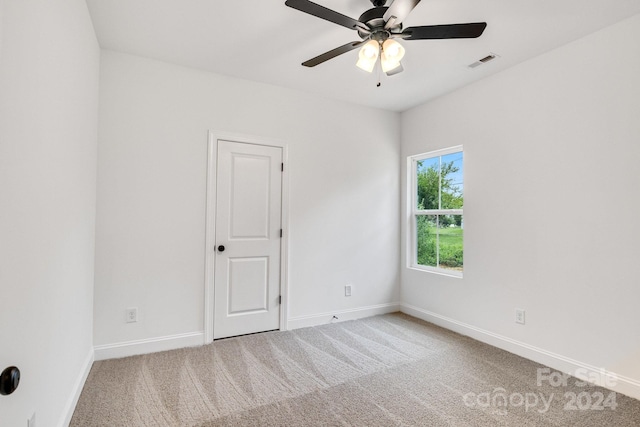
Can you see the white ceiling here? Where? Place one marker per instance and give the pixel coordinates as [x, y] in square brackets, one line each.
[266, 41]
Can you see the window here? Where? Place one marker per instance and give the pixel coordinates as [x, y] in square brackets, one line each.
[436, 185]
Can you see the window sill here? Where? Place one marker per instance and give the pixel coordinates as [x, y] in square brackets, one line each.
[438, 271]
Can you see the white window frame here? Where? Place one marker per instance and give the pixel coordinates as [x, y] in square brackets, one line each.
[414, 212]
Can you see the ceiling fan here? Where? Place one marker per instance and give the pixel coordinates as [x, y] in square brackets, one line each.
[378, 28]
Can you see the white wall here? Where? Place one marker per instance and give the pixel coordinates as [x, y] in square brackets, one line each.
[552, 148]
[49, 65]
[152, 164]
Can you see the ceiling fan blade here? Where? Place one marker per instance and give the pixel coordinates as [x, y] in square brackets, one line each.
[333, 53]
[327, 14]
[452, 31]
[398, 11]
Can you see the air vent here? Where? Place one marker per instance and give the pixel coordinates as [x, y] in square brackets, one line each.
[484, 60]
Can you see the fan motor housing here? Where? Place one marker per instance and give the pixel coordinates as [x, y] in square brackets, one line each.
[374, 18]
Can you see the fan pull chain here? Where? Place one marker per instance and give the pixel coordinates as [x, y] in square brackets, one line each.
[378, 69]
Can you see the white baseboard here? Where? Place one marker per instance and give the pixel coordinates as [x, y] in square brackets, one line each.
[151, 345]
[618, 383]
[70, 407]
[350, 314]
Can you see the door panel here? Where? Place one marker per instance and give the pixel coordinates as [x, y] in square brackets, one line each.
[250, 196]
[248, 223]
[248, 285]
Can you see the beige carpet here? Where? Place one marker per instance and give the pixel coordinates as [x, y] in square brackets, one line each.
[390, 370]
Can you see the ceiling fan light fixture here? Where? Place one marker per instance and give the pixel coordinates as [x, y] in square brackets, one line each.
[368, 56]
[396, 70]
[392, 54]
[393, 50]
[388, 64]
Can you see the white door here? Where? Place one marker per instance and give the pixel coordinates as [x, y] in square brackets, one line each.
[248, 239]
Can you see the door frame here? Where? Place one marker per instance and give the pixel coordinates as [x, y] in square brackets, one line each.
[210, 226]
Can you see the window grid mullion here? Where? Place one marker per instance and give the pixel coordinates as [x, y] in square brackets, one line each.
[440, 183]
[437, 241]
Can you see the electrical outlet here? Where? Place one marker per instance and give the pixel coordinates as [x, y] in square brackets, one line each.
[31, 422]
[520, 316]
[347, 290]
[132, 314]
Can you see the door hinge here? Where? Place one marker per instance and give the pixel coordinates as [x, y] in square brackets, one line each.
[281, 232]
[282, 167]
[280, 300]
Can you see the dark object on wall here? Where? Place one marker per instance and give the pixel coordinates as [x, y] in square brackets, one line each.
[9, 380]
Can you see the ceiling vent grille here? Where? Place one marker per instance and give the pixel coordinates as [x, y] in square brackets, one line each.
[484, 60]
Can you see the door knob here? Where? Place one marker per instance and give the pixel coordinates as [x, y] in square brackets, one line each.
[221, 248]
[9, 380]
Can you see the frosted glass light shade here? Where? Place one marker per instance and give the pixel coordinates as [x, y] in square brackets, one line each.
[392, 54]
[393, 50]
[368, 55]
